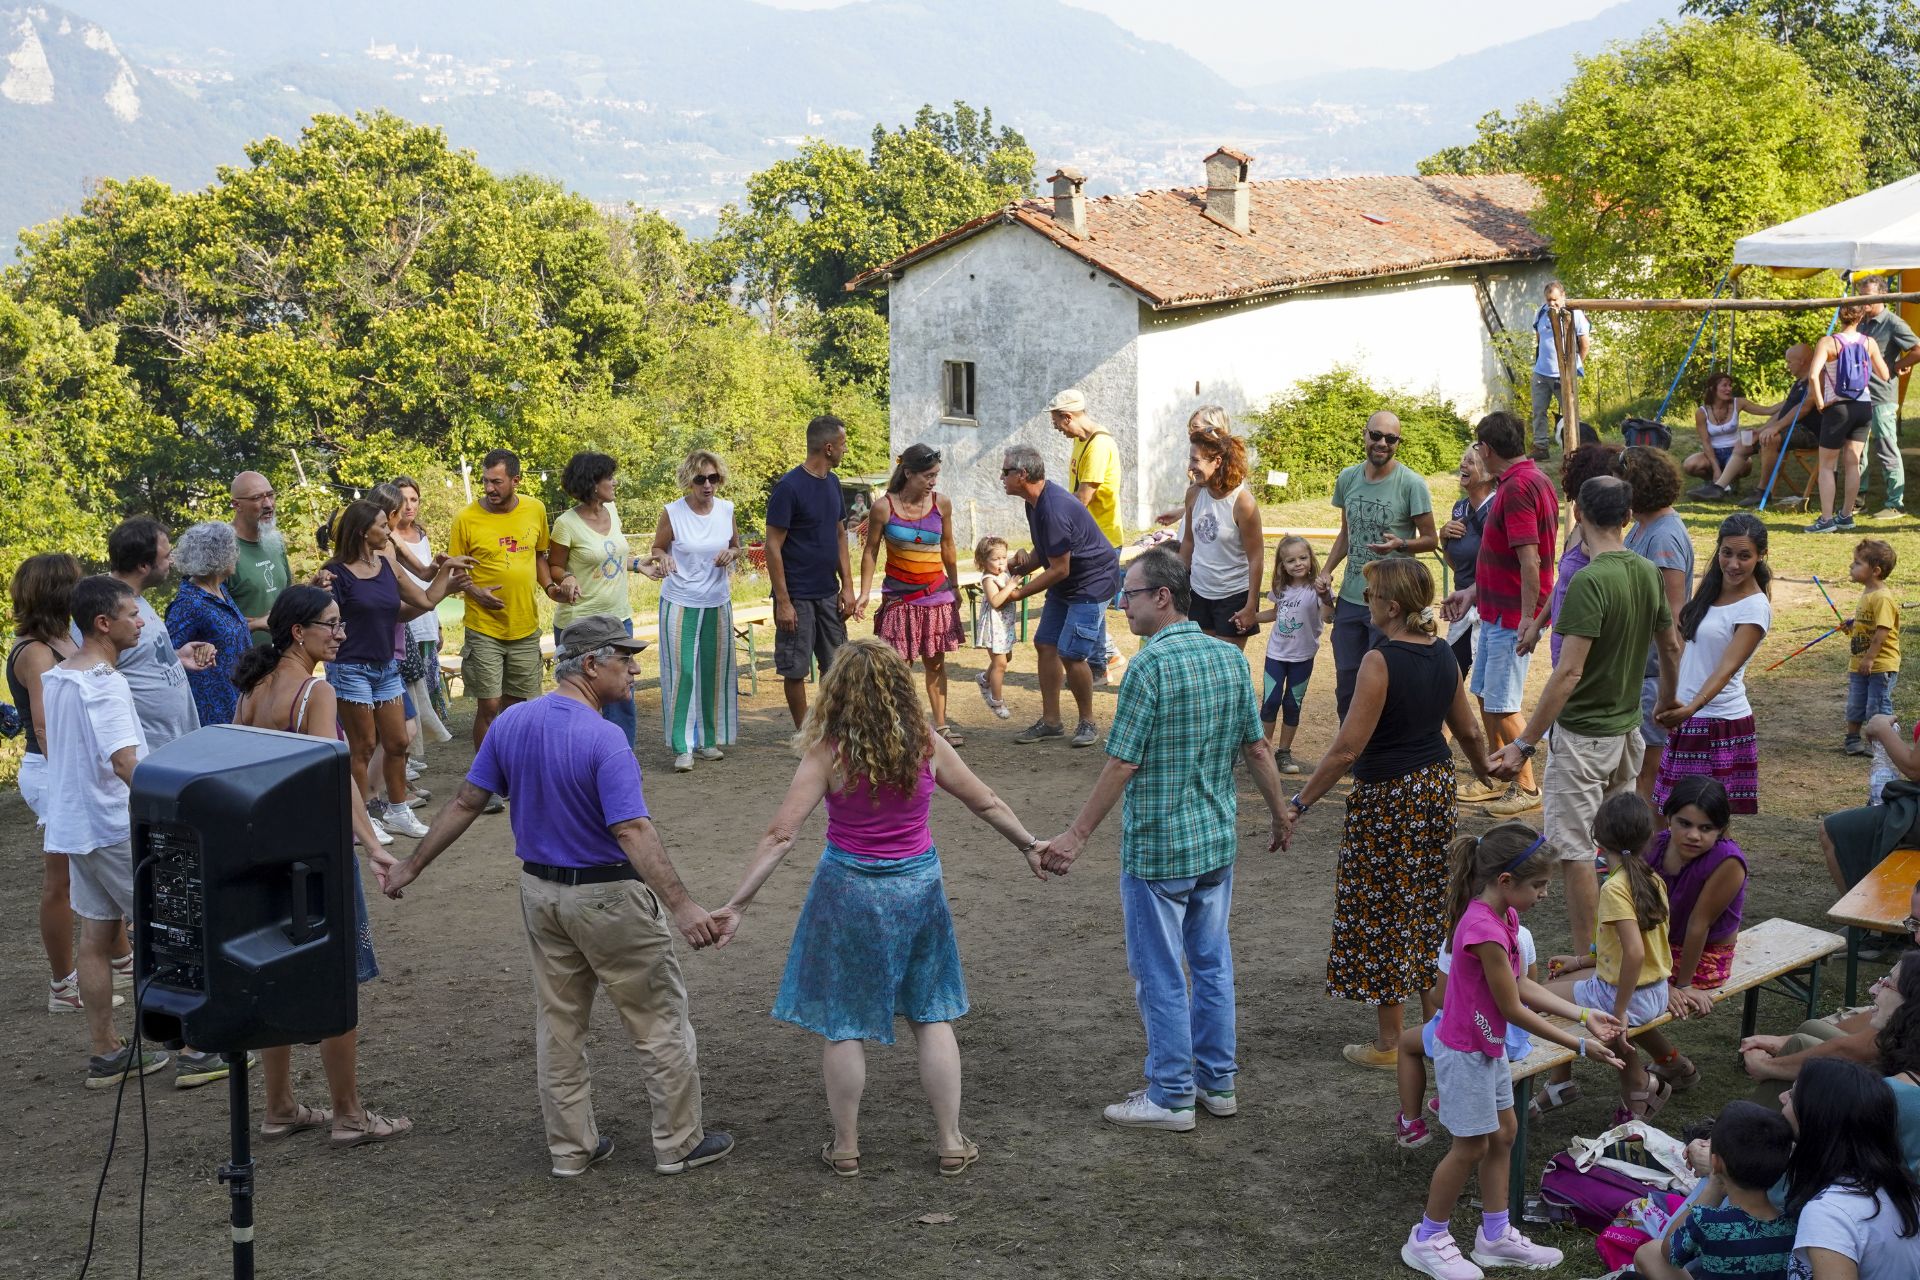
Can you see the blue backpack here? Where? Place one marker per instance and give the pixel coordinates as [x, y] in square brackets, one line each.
[1852, 368]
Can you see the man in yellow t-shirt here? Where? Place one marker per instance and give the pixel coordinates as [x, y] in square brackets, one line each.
[1093, 474]
[506, 534]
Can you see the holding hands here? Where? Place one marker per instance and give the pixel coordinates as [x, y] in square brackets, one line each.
[1685, 1002]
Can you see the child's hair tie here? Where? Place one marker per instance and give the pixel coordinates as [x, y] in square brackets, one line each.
[1524, 858]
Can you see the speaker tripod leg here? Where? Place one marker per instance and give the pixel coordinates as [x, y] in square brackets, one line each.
[237, 1173]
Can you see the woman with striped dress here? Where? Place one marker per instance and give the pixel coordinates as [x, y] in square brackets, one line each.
[919, 612]
[693, 547]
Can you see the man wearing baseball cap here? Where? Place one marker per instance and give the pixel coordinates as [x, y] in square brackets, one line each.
[1093, 474]
[599, 896]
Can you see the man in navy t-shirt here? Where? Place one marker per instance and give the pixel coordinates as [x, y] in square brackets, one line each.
[600, 898]
[808, 564]
[1078, 569]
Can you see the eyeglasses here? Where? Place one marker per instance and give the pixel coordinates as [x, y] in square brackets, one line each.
[1128, 593]
[710, 479]
[1008, 471]
[1381, 437]
[337, 626]
[254, 497]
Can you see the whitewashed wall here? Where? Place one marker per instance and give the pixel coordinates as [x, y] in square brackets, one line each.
[1034, 320]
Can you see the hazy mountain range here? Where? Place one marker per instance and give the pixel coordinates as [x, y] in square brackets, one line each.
[672, 105]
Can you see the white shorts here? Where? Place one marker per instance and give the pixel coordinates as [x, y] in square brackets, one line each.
[1648, 1002]
[100, 882]
[33, 786]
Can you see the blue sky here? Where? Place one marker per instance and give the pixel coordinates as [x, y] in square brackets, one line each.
[1252, 40]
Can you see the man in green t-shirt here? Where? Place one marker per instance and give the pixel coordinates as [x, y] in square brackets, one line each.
[261, 572]
[1613, 609]
[1385, 510]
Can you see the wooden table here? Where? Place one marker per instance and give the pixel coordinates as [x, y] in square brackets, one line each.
[1878, 904]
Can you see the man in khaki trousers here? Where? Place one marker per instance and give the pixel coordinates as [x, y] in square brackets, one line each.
[600, 898]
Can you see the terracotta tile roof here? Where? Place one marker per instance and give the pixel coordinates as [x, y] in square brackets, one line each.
[1305, 231]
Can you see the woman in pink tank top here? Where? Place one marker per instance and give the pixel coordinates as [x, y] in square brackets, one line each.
[875, 939]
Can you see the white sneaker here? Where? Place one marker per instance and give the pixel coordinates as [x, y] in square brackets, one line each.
[1219, 1104]
[402, 821]
[379, 832]
[63, 995]
[1514, 1250]
[1141, 1112]
[1438, 1257]
[123, 972]
[414, 770]
[683, 763]
[711, 753]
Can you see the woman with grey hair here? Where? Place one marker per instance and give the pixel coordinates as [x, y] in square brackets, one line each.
[205, 610]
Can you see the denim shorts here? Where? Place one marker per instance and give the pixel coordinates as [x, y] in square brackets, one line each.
[1077, 629]
[1870, 696]
[366, 684]
[1499, 676]
[1652, 732]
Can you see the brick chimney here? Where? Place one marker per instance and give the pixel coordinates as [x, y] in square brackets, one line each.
[1069, 206]
[1228, 196]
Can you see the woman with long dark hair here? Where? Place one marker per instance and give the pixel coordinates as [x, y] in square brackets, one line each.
[1710, 725]
[1858, 1207]
[278, 690]
[919, 611]
[1717, 420]
[1896, 1024]
[1220, 539]
[374, 600]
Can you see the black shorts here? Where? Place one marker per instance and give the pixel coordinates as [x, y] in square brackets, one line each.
[819, 635]
[1845, 420]
[1215, 617]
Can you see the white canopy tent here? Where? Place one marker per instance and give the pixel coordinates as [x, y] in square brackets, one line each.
[1878, 231]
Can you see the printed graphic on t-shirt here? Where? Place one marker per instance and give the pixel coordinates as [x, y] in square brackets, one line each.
[1207, 528]
[510, 544]
[1369, 520]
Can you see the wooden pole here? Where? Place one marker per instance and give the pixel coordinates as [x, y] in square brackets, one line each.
[1728, 304]
[1566, 349]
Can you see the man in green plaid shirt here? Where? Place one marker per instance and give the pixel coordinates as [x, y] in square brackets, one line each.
[1185, 709]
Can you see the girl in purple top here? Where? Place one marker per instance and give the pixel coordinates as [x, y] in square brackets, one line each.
[1495, 877]
[1706, 878]
[875, 940]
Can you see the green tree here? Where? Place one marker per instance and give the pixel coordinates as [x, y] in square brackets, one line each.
[815, 221]
[1494, 149]
[1866, 50]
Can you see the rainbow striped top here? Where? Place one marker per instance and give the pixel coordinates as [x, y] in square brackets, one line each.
[913, 557]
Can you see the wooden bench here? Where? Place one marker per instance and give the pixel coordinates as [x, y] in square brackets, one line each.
[1878, 904]
[1778, 955]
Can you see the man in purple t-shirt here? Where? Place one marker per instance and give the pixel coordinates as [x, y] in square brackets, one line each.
[597, 894]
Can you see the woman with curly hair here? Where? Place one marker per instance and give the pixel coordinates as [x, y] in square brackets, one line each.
[1896, 1024]
[919, 612]
[875, 939]
[1220, 538]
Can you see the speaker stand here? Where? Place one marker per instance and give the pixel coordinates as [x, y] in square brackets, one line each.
[237, 1173]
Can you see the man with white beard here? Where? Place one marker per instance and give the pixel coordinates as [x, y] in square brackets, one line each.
[262, 572]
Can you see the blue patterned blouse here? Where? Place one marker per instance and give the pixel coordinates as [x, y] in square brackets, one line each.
[198, 614]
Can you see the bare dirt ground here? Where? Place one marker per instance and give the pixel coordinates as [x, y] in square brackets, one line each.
[1305, 1181]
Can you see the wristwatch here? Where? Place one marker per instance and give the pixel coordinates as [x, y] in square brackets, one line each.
[1526, 748]
[1298, 807]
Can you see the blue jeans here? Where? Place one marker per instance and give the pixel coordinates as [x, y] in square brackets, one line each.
[1869, 696]
[1190, 1040]
[1353, 636]
[623, 714]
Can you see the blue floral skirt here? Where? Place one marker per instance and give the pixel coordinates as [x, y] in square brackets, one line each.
[874, 942]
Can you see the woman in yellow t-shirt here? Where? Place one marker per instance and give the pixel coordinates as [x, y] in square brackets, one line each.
[588, 560]
[1631, 959]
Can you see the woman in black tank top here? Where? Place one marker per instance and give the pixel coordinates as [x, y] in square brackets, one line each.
[1390, 912]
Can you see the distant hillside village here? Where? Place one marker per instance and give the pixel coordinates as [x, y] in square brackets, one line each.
[1227, 293]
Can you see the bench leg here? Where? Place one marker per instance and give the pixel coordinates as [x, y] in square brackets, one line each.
[1813, 992]
[1749, 1012]
[1517, 1162]
[1853, 964]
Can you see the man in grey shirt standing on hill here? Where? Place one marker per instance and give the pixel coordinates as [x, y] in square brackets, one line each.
[1901, 349]
[140, 555]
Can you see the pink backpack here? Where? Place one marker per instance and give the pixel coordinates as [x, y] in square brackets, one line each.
[1590, 1198]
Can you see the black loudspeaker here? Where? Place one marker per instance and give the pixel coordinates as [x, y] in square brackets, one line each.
[244, 928]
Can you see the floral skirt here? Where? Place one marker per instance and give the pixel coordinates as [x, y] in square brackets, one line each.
[1728, 750]
[1715, 967]
[920, 630]
[874, 942]
[1390, 900]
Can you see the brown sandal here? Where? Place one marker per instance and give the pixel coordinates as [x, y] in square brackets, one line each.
[834, 1159]
[966, 1155]
[355, 1131]
[304, 1118]
[952, 734]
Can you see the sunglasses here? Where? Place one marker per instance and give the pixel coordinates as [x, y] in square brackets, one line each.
[1007, 471]
[709, 479]
[1381, 437]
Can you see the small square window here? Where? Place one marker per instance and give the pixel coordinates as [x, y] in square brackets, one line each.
[957, 381]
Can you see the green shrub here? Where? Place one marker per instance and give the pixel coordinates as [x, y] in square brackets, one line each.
[1315, 431]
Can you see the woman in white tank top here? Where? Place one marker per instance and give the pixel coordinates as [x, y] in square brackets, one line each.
[1717, 420]
[694, 548]
[1220, 537]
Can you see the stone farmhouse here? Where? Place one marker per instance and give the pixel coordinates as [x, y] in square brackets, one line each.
[1157, 303]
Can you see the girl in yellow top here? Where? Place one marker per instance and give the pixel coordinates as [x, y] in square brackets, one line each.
[1631, 960]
